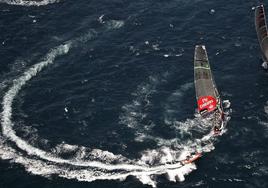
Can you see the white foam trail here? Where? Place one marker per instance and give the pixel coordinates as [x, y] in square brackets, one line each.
[178, 174]
[135, 112]
[7, 113]
[34, 165]
[13, 91]
[29, 2]
[146, 180]
[39, 167]
[44, 163]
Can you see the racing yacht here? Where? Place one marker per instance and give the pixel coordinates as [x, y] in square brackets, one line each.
[208, 99]
[261, 29]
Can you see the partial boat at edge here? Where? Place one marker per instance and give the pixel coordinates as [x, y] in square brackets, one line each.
[261, 29]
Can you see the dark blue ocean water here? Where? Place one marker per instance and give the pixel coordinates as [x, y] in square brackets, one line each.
[111, 82]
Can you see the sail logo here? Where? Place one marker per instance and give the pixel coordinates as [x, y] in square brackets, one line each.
[207, 103]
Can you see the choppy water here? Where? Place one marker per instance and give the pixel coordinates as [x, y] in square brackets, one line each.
[101, 94]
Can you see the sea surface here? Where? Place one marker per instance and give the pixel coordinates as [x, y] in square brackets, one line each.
[100, 93]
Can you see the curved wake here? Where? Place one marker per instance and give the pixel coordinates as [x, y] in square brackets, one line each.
[37, 161]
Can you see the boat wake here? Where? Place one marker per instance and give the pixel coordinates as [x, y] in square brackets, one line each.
[135, 113]
[29, 2]
[89, 164]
